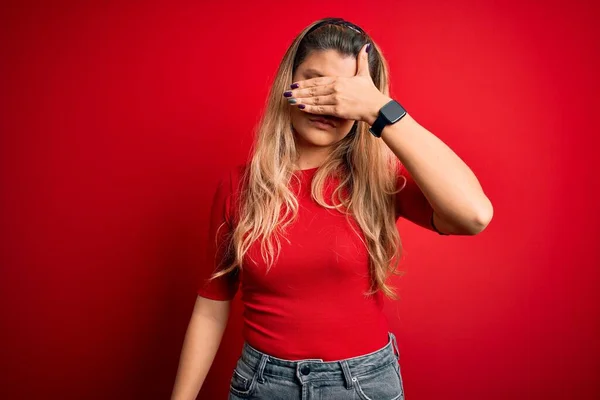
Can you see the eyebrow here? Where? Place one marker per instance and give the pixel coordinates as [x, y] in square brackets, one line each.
[312, 72]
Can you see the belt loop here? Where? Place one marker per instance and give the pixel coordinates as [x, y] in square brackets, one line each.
[347, 374]
[395, 346]
[261, 367]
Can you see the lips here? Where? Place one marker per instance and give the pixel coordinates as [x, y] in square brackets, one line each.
[324, 121]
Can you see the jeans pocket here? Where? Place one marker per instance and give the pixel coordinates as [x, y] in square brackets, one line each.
[243, 380]
[399, 372]
[382, 384]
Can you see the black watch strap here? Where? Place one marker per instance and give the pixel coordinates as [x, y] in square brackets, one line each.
[390, 113]
[378, 126]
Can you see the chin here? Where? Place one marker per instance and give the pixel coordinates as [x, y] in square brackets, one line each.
[318, 137]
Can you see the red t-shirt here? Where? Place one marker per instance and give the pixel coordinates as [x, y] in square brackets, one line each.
[311, 303]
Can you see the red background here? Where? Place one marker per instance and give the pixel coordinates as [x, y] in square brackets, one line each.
[116, 118]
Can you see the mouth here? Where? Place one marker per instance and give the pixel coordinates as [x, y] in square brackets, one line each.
[324, 121]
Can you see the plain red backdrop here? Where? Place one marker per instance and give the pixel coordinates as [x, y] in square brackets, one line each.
[116, 118]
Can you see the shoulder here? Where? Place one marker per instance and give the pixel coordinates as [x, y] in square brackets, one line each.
[403, 177]
[230, 177]
[237, 172]
[228, 188]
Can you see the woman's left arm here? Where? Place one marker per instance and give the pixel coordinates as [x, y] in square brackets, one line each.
[459, 203]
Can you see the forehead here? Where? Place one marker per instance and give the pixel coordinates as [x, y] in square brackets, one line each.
[327, 63]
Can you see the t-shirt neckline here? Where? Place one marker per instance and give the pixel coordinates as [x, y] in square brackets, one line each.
[307, 170]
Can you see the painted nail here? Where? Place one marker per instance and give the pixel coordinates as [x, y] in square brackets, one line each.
[287, 94]
[301, 106]
[292, 101]
[294, 86]
[368, 47]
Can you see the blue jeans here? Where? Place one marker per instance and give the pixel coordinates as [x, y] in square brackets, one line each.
[373, 376]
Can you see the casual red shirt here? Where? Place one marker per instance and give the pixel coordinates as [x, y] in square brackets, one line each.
[311, 303]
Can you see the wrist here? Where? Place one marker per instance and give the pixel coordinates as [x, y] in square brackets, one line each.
[374, 109]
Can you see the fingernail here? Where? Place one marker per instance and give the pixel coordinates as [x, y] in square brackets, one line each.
[368, 47]
[287, 94]
[294, 86]
[292, 101]
[301, 106]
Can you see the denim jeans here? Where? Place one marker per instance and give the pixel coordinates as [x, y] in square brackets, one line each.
[373, 376]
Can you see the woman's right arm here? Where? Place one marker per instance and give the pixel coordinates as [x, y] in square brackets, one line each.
[202, 340]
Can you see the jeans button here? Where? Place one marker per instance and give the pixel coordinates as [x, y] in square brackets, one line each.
[305, 369]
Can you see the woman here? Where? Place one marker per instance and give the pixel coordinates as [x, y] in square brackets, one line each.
[308, 227]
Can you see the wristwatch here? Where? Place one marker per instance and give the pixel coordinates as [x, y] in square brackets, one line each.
[389, 114]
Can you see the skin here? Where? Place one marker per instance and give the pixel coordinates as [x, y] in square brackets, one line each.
[314, 143]
[346, 92]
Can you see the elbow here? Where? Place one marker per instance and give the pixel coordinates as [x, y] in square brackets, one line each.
[482, 219]
[473, 223]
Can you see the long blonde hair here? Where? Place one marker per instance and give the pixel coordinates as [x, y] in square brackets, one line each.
[365, 166]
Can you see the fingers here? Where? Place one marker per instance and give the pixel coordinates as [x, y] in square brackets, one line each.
[362, 61]
[310, 91]
[315, 100]
[315, 95]
[320, 81]
[320, 109]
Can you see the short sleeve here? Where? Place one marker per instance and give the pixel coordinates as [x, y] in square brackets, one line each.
[410, 202]
[219, 231]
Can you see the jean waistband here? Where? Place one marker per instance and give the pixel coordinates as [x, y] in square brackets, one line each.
[316, 368]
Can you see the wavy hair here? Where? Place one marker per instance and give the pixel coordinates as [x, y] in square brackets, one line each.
[367, 170]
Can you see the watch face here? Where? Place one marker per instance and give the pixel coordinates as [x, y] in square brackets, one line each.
[393, 111]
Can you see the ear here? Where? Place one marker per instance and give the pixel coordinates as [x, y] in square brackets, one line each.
[363, 61]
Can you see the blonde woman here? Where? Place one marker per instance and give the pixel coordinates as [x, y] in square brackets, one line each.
[307, 228]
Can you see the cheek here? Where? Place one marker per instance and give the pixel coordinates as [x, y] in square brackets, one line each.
[345, 126]
[296, 115]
